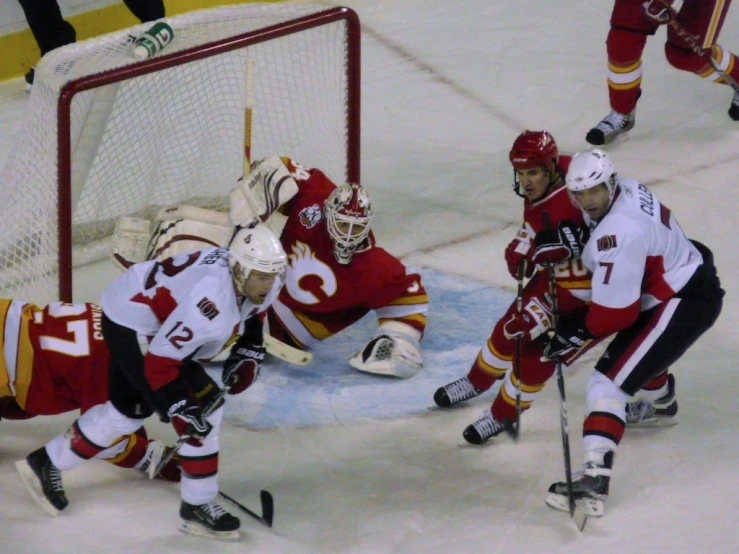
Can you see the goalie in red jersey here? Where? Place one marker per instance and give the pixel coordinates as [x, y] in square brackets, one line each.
[539, 178]
[55, 361]
[336, 273]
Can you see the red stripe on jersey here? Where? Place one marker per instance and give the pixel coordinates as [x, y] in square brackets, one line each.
[160, 370]
[636, 343]
[200, 467]
[654, 279]
[162, 303]
[604, 424]
[602, 321]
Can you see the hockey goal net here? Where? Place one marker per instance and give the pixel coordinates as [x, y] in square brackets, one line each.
[108, 136]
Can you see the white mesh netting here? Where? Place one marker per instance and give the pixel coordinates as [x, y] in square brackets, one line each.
[171, 136]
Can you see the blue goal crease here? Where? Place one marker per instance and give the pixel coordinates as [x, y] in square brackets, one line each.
[328, 391]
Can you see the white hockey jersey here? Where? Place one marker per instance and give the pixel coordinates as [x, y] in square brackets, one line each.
[186, 305]
[639, 257]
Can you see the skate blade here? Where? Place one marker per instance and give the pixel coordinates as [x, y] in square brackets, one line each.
[654, 422]
[198, 530]
[32, 483]
[591, 507]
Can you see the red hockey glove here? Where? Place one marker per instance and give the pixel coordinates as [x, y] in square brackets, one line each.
[534, 320]
[517, 251]
[241, 368]
[554, 246]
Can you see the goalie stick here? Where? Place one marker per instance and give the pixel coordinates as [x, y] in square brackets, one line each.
[576, 512]
[268, 507]
[285, 352]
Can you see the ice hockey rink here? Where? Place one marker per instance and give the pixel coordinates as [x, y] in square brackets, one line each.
[359, 464]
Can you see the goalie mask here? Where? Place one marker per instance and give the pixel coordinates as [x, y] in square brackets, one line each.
[256, 249]
[348, 215]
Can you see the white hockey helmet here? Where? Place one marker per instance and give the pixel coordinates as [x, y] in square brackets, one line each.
[589, 169]
[348, 214]
[257, 249]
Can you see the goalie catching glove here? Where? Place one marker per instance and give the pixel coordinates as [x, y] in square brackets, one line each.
[554, 246]
[394, 352]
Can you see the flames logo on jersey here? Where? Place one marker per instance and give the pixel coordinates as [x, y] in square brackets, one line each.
[302, 263]
[310, 216]
[606, 243]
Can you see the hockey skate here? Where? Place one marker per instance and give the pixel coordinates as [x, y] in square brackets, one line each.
[734, 108]
[455, 392]
[209, 520]
[658, 413]
[43, 480]
[589, 490]
[482, 430]
[610, 127]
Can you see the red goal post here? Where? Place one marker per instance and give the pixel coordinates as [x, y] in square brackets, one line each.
[109, 136]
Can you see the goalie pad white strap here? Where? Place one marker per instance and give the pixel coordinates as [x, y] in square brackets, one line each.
[130, 241]
[394, 351]
[268, 186]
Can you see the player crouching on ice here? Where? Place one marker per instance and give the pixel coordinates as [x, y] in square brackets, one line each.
[657, 291]
[161, 321]
[335, 274]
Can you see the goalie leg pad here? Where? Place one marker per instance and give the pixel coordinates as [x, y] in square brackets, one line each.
[130, 240]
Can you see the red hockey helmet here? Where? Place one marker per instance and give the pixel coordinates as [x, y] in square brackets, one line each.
[533, 149]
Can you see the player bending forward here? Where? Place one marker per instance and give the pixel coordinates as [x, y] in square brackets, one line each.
[657, 291]
[54, 360]
[538, 171]
[161, 320]
[335, 274]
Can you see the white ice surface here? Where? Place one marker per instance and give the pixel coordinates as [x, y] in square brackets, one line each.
[358, 465]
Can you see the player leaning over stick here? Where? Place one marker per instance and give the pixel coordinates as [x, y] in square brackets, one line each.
[161, 320]
[657, 291]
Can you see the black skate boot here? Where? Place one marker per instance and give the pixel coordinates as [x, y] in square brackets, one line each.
[455, 392]
[610, 127]
[209, 520]
[28, 77]
[734, 108]
[590, 490]
[658, 413]
[43, 480]
[482, 430]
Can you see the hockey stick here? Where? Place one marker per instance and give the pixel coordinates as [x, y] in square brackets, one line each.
[515, 430]
[576, 513]
[153, 470]
[285, 352]
[668, 15]
[268, 507]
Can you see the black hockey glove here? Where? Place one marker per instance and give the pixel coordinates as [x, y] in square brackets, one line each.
[554, 246]
[188, 420]
[571, 335]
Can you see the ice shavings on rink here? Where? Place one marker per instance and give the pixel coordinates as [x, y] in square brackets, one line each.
[329, 391]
